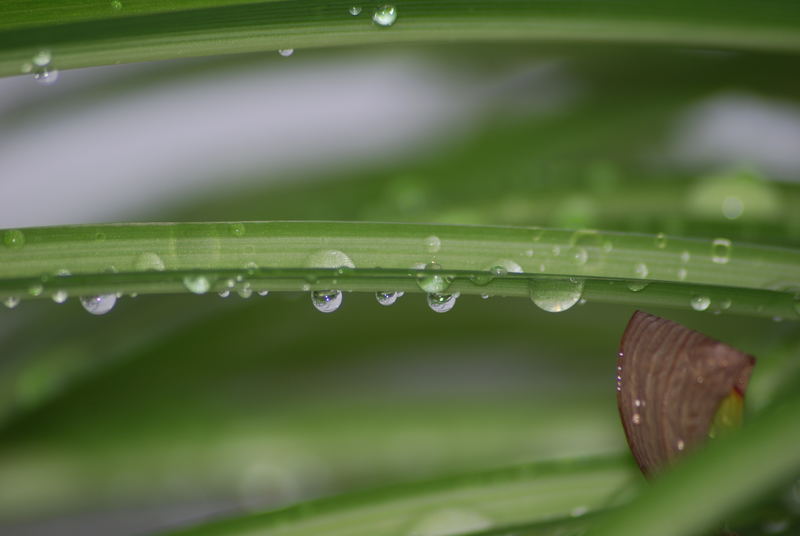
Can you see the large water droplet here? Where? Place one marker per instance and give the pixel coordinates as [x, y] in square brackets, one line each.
[149, 261]
[441, 303]
[326, 301]
[388, 297]
[700, 303]
[385, 15]
[555, 295]
[285, 52]
[198, 284]
[433, 244]
[721, 250]
[355, 10]
[14, 239]
[99, 305]
[11, 301]
[432, 280]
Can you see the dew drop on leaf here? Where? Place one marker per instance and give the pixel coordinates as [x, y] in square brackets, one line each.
[11, 302]
[60, 296]
[385, 15]
[441, 303]
[286, 52]
[432, 280]
[149, 261]
[355, 10]
[388, 297]
[661, 240]
[700, 302]
[641, 270]
[326, 301]
[720, 250]
[198, 284]
[450, 521]
[555, 295]
[433, 244]
[14, 239]
[99, 305]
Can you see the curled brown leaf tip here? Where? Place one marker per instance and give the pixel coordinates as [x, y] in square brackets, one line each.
[671, 381]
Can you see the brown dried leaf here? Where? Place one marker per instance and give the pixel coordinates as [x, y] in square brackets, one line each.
[670, 382]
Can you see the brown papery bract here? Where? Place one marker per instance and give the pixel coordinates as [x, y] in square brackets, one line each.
[671, 381]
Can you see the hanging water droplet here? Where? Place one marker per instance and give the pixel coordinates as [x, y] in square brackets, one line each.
[700, 303]
[14, 239]
[245, 291]
[263, 292]
[42, 58]
[385, 15]
[555, 295]
[326, 301]
[641, 270]
[720, 250]
[388, 297]
[636, 286]
[441, 303]
[198, 284]
[285, 52]
[35, 289]
[224, 293]
[99, 305]
[60, 296]
[661, 240]
[11, 301]
[149, 261]
[43, 72]
[355, 10]
[485, 296]
[432, 280]
[433, 244]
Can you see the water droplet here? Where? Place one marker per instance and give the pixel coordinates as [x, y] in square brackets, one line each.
[685, 256]
[224, 293]
[682, 273]
[43, 72]
[237, 229]
[661, 240]
[433, 244]
[641, 270]
[700, 303]
[536, 233]
[251, 268]
[355, 11]
[502, 267]
[485, 296]
[732, 207]
[636, 286]
[638, 403]
[555, 295]
[441, 303]
[637, 419]
[578, 511]
[60, 296]
[388, 297]
[326, 301]
[198, 284]
[11, 301]
[681, 445]
[720, 250]
[245, 291]
[725, 304]
[529, 253]
[285, 52]
[448, 521]
[42, 58]
[14, 239]
[432, 282]
[116, 4]
[263, 293]
[385, 15]
[35, 289]
[149, 261]
[99, 305]
[579, 255]
[608, 246]
[329, 258]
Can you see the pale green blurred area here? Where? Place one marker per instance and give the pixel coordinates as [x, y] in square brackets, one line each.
[173, 409]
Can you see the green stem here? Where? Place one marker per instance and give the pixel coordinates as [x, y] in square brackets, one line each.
[94, 33]
[370, 257]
